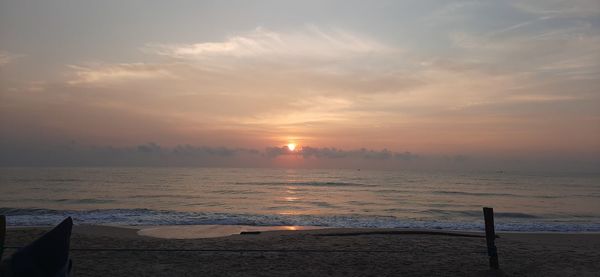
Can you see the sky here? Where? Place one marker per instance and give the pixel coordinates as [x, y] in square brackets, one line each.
[382, 84]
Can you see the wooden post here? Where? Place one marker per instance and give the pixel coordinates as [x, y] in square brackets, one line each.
[2, 233]
[490, 237]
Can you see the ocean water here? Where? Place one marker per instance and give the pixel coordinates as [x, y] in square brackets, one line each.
[332, 198]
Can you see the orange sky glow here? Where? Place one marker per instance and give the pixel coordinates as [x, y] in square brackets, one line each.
[432, 78]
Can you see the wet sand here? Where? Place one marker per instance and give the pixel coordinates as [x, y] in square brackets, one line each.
[393, 253]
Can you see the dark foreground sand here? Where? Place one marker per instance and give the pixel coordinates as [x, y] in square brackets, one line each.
[413, 254]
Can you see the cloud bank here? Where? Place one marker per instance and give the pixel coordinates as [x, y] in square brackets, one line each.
[152, 154]
[75, 154]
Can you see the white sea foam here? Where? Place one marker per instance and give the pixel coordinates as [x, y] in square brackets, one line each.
[145, 217]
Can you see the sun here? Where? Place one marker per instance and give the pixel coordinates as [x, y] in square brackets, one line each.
[291, 146]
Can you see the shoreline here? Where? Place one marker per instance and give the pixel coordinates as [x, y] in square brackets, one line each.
[197, 231]
[121, 251]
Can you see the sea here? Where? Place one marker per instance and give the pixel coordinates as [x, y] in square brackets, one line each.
[522, 202]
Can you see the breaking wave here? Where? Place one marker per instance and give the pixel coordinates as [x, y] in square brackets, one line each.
[505, 222]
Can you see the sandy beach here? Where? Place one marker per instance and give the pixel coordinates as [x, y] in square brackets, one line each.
[392, 253]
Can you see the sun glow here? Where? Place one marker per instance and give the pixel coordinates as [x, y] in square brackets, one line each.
[291, 146]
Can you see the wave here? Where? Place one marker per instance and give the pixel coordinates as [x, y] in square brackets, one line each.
[47, 180]
[473, 193]
[310, 184]
[84, 201]
[493, 194]
[529, 223]
[479, 214]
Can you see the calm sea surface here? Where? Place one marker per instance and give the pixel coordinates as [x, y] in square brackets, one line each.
[340, 198]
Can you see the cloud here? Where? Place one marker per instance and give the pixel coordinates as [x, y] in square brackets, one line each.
[545, 39]
[452, 11]
[308, 152]
[189, 150]
[294, 78]
[262, 61]
[333, 87]
[149, 154]
[569, 52]
[102, 73]
[7, 57]
[73, 153]
[559, 8]
[313, 42]
[153, 154]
